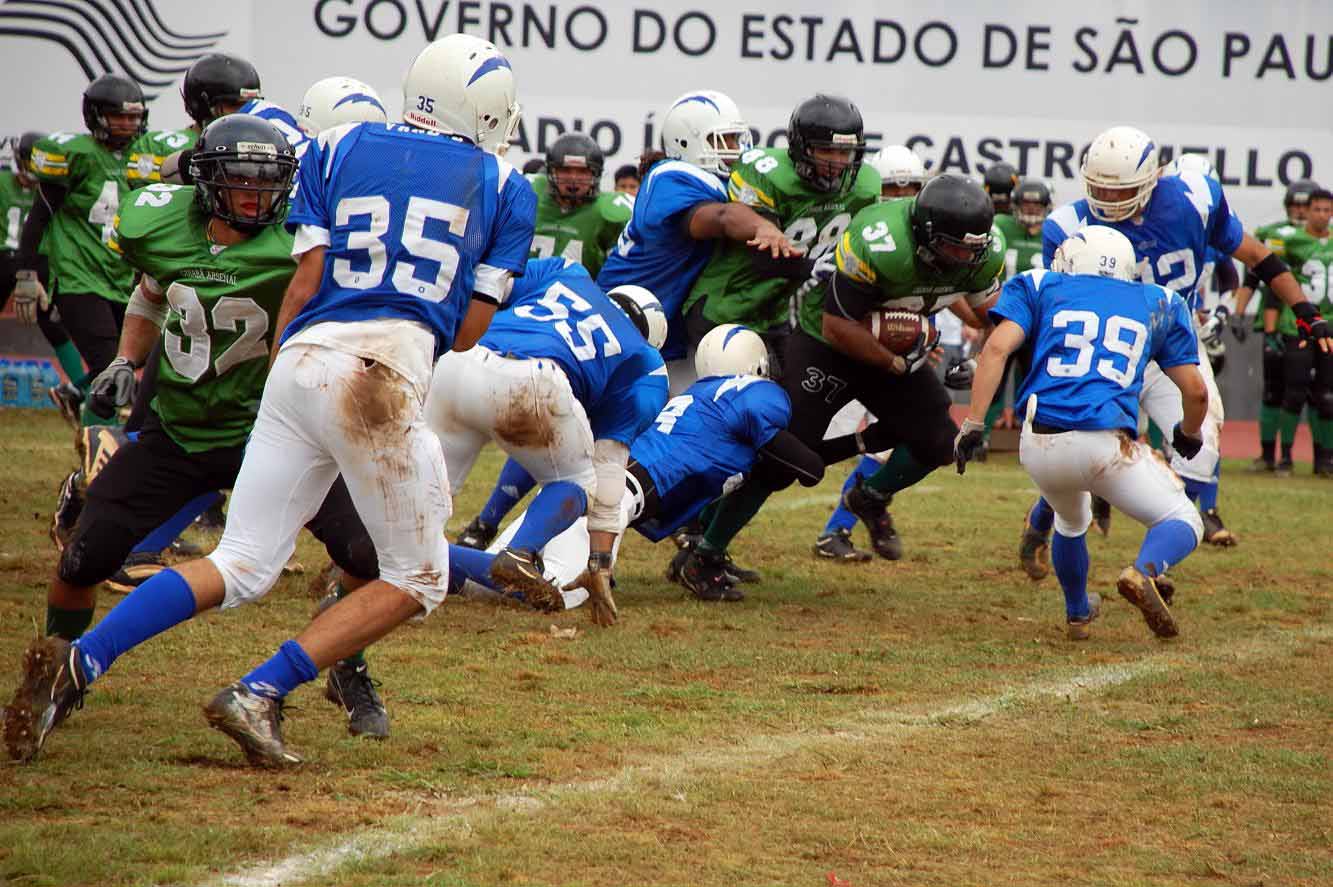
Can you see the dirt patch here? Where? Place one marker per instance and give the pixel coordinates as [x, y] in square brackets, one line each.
[1129, 450]
[523, 422]
[374, 406]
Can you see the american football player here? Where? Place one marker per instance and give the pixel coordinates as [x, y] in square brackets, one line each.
[901, 172]
[335, 101]
[1000, 180]
[575, 218]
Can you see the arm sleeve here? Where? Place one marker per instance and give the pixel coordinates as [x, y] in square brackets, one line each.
[1181, 344]
[1225, 231]
[50, 197]
[609, 458]
[514, 226]
[793, 268]
[850, 299]
[784, 458]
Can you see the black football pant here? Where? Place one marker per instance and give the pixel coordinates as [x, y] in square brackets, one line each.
[94, 324]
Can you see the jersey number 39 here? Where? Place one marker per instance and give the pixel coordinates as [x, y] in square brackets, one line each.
[1084, 326]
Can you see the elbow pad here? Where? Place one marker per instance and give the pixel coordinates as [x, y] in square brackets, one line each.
[609, 458]
[142, 306]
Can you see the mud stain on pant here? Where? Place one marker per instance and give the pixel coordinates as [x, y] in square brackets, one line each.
[523, 421]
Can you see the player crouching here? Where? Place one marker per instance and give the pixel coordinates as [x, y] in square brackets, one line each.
[1094, 331]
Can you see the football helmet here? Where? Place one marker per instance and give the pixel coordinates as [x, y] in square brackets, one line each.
[642, 307]
[1297, 199]
[23, 154]
[242, 169]
[1032, 191]
[1210, 336]
[1191, 163]
[731, 350]
[1000, 181]
[215, 78]
[114, 94]
[826, 122]
[578, 151]
[462, 85]
[951, 223]
[1097, 250]
[899, 167]
[334, 101]
[705, 128]
[1119, 173]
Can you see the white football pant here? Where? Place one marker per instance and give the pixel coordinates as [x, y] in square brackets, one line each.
[1160, 399]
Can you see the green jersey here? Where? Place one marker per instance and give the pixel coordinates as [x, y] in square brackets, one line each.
[143, 165]
[1022, 247]
[765, 180]
[1274, 236]
[15, 202]
[224, 302]
[76, 242]
[1309, 258]
[584, 234]
[879, 250]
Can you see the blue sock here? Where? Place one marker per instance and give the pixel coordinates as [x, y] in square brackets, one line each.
[1208, 496]
[1069, 557]
[167, 532]
[1166, 545]
[468, 563]
[842, 519]
[1193, 488]
[512, 485]
[1042, 517]
[553, 511]
[164, 601]
[289, 668]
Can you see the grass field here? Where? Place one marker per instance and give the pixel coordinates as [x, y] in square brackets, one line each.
[917, 723]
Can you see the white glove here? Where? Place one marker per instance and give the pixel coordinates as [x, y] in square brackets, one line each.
[920, 353]
[30, 297]
[824, 268]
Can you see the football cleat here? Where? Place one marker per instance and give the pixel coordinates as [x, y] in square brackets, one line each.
[1142, 592]
[1262, 465]
[704, 573]
[516, 571]
[1214, 533]
[1166, 588]
[53, 685]
[213, 520]
[69, 400]
[1101, 515]
[69, 505]
[254, 722]
[478, 535]
[1081, 629]
[1034, 552]
[352, 688]
[872, 508]
[138, 568]
[739, 574]
[837, 546]
[96, 444]
[1283, 468]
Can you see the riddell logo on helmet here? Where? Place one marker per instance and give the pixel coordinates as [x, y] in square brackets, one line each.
[255, 148]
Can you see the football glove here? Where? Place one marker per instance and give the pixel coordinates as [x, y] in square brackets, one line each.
[1184, 444]
[30, 297]
[971, 438]
[959, 376]
[1309, 324]
[824, 268]
[596, 580]
[920, 353]
[112, 389]
[1273, 344]
[1238, 323]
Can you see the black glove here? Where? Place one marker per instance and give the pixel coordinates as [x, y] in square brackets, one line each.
[1309, 324]
[971, 438]
[1240, 326]
[112, 389]
[1185, 445]
[1273, 344]
[959, 376]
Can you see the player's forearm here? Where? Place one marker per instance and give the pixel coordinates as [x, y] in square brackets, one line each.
[475, 323]
[1270, 269]
[855, 341]
[302, 288]
[609, 458]
[986, 379]
[1243, 296]
[137, 338]
[1193, 397]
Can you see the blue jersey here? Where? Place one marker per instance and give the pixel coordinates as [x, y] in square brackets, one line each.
[285, 123]
[656, 251]
[1091, 338]
[411, 218]
[1186, 215]
[555, 311]
[704, 443]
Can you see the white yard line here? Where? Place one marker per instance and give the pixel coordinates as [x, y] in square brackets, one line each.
[869, 725]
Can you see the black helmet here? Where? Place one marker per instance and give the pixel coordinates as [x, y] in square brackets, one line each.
[825, 121]
[217, 77]
[1299, 191]
[113, 94]
[240, 152]
[574, 149]
[23, 151]
[1000, 181]
[1032, 191]
[952, 210]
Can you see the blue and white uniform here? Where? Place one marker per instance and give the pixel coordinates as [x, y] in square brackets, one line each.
[1092, 339]
[284, 121]
[1186, 220]
[412, 225]
[655, 249]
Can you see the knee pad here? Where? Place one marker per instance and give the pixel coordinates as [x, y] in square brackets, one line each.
[95, 553]
[1074, 525]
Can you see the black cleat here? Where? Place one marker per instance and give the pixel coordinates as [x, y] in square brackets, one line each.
[53, 685]
[872, 508]
[69, 400]
[352, 688]
[138, 568]
[837, 546]
[517, 571]
[478, 535]
[1214, 533]
[1034, 552]
[69, 505]
[213, 520]
[705, 575]
[1283, 469]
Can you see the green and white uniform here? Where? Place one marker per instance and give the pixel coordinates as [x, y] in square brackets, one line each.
[76, 242]
[143, 165]
[224, 302]
[1022, 248]
[1310, 260]
[15, 202]
[584, 234]
[879, 250]
[765, 180]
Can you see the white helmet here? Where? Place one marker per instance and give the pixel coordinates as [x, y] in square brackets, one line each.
[642, 307]
[1121, 157]
[1191, 163]
[731, 350]
[462, 85]
[899, 165]
[334, 101]
[1097, 250]
[696, 127]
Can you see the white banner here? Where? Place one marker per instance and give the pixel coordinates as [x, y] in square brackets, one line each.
[966, 84]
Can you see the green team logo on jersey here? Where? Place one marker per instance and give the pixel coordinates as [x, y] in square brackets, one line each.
[1022, 247]
[765, 180]
[15, 203]
[584, 234]
[146, 153]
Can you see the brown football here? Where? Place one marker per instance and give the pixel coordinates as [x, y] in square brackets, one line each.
[897, 330]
